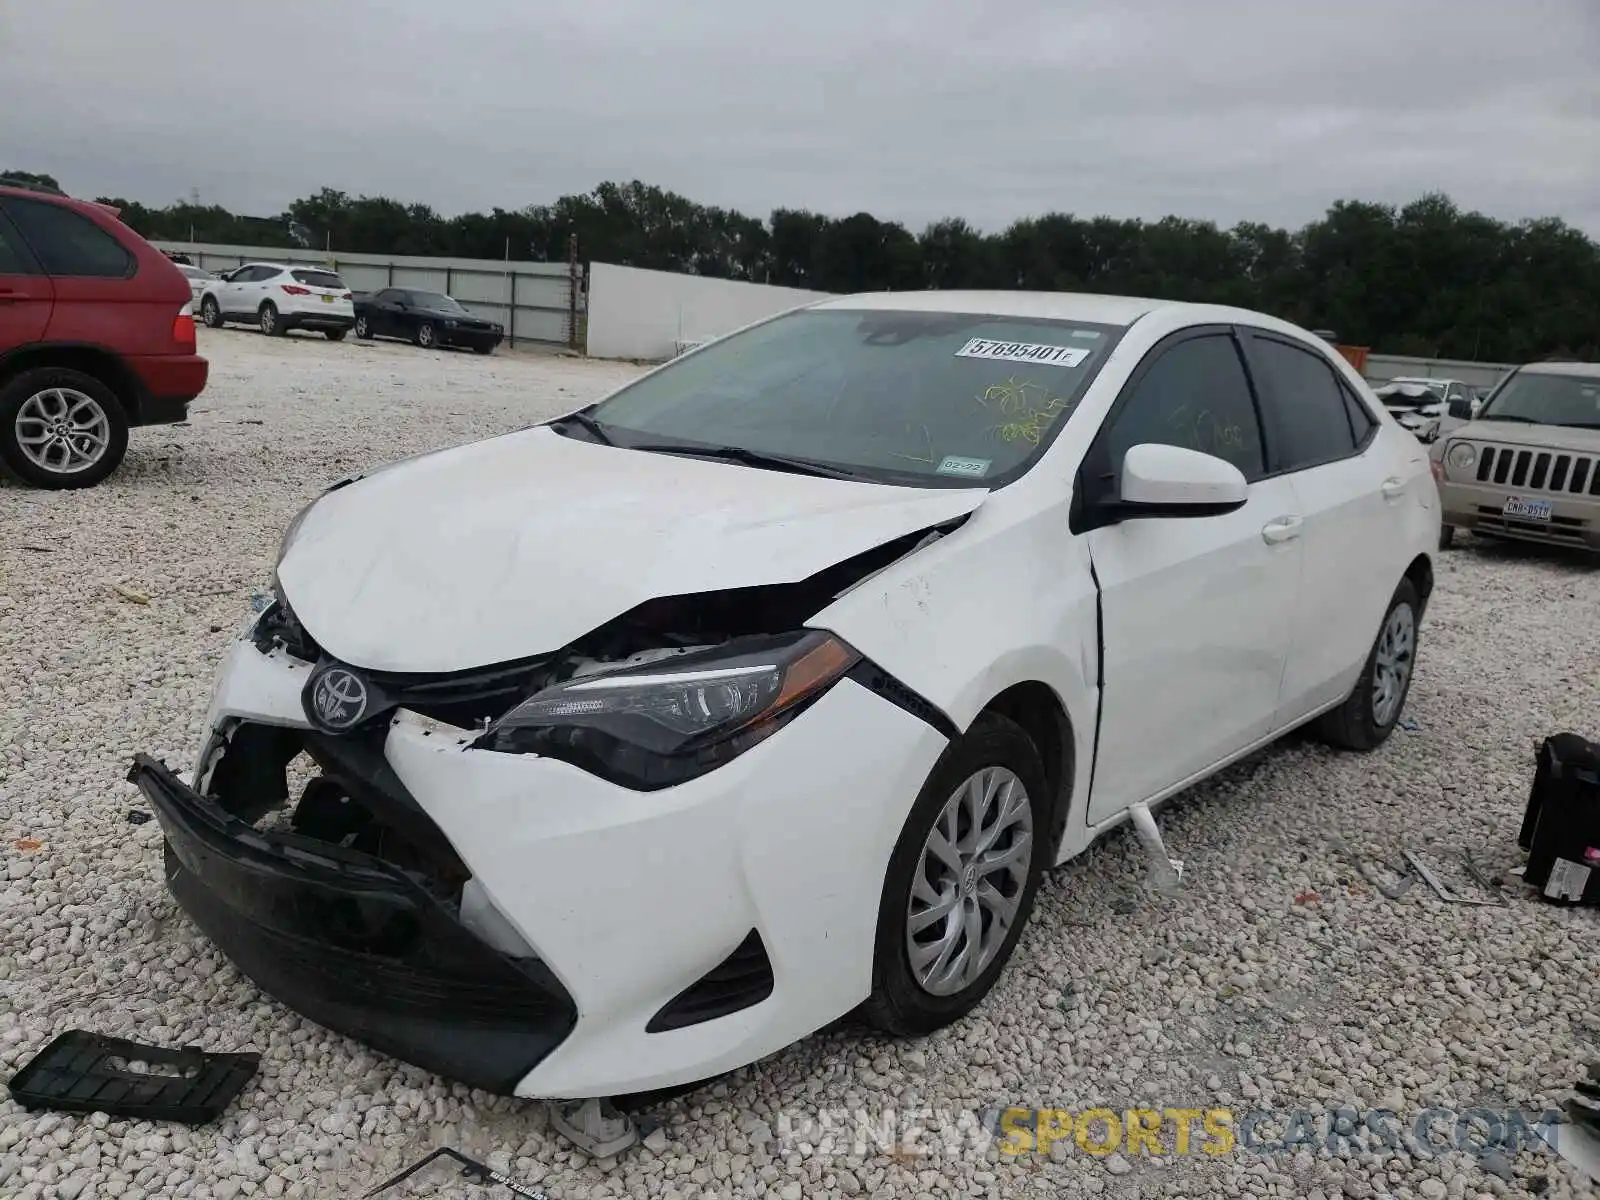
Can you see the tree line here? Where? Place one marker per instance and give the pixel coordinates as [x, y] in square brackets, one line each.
[1425, 278]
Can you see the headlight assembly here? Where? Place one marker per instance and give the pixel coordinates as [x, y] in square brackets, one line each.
[654, 726]
[1461, 456]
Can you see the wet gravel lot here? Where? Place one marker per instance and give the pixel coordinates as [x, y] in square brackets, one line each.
[1278, 980]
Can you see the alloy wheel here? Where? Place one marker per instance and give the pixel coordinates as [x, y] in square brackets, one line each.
[1392, 663]
[62, 430]
[969, 881]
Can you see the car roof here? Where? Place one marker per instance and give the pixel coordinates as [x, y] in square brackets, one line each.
[1061, 306]
[1421, 379]
[1578, 370]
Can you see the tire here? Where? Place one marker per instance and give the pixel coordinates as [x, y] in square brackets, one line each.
[210, 313]
[363, 330]
[484, 349]
[30, 406]
[335, 335]
[425, 336]
[1356, 724]
[900, 1003]
[271, 326]
[1447, 536]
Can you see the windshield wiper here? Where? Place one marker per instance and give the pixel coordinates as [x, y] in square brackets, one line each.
[584, 421]
[1520, 420]
[749, 458]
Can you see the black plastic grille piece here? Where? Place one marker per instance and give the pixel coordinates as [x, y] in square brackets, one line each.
[740, 981]
[83, 1072]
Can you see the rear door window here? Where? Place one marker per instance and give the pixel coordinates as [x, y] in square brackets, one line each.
[67, 243]
[13, 259]
[1308, 419]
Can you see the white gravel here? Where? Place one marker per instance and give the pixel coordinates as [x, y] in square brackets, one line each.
[1231, 994]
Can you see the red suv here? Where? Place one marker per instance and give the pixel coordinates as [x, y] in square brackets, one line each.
[96, 336]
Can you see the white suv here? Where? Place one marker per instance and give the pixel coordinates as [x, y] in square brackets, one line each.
[278, 298]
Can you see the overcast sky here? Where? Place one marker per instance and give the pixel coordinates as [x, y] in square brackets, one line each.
[909, 109]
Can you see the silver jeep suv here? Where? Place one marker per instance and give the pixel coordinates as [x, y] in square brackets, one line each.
[1529, 466]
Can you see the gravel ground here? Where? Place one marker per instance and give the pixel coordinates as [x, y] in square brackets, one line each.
[1242, 992]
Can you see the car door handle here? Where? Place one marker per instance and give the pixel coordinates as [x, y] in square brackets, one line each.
[1393, 488]
[1281, 529]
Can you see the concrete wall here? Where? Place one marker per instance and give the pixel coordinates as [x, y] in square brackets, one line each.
[532, 300]
[1383, 367]
[635, 313]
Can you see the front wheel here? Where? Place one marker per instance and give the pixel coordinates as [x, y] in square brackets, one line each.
[961, 880]
[426, 337]
[484, 349]
[1447, 536]
[1372, 710]
[60, 428]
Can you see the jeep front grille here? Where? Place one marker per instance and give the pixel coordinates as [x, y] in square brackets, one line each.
[1539, 470]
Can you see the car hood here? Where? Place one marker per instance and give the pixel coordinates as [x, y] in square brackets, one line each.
[517, 546]
[1550, 437]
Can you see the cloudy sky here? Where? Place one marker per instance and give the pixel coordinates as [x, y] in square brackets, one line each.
[909, 109]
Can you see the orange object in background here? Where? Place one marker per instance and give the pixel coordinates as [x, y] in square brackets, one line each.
[1356, 356]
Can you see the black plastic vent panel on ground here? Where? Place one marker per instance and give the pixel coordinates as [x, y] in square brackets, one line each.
[740, 981]
[83, 1072]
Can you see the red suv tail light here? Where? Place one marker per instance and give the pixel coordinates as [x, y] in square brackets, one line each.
[290, 289]
[183, 328]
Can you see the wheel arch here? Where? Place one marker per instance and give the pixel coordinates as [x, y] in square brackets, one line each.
[1038, 710]
[97, 361]
[1420, 573]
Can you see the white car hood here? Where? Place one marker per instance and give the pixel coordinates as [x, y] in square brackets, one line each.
[518, 545]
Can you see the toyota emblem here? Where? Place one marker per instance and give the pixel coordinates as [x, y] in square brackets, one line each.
[338, 699]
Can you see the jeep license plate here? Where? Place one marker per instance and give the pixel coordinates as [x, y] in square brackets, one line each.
[1527, 510]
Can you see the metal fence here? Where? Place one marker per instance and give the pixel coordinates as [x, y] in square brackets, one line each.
[538, 303]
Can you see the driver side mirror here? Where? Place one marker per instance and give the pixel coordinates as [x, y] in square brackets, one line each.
[1461, 409]
[1170, 481]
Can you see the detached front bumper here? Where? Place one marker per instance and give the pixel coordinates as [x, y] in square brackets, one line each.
[695, 929]
[356, 944]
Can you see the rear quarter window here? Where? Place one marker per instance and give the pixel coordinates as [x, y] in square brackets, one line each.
[67, 243]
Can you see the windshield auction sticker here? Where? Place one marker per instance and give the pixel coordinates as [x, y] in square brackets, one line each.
[1024, 352]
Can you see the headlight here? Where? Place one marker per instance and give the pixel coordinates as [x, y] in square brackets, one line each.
[449, 324]
[654, 726]
[1461, 456]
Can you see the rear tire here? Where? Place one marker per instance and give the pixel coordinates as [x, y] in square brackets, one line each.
[271, 326]
[334, 335]
[211, 313]
[80, 412]
[363, 330]
[1372, 710]
[900, 1003]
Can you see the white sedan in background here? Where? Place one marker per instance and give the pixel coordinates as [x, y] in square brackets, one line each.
[656, 737]
[198, 277]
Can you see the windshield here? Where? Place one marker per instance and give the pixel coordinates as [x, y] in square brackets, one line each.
[931, 399]
[196, 273]
[435, 300]
[322, 279]
[1541, 399]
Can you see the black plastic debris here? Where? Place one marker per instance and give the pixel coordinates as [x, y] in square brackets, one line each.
[470, 1169]
[83, 1072]
[1561, 827]
[137, 816]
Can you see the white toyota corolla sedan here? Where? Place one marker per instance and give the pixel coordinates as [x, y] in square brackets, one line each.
[623, 750]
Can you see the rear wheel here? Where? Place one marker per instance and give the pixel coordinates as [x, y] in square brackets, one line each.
[1372, 710]
[426, 338]
[60, 428]
[268, 317]
[334, 335]
[363, 330]
[211, 313]
[961, 880]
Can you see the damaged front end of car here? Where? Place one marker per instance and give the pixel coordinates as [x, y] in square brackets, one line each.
[300, 850]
